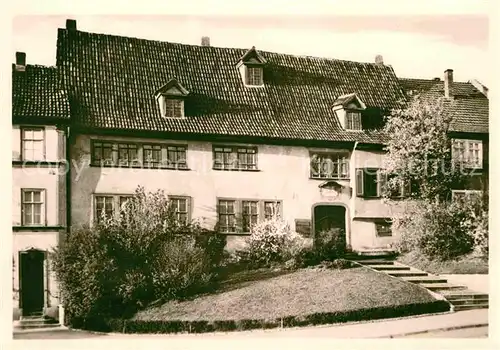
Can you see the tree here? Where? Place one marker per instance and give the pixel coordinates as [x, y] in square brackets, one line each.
[419, 150]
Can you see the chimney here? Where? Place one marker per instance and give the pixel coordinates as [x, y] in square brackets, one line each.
[448, 82]
[71, 25]
[205, 41]
[20, 61]
[379, 60]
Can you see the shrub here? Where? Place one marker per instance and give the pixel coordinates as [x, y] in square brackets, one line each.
[272, 241]
[145, 255]
[437, 230]
[330, 244]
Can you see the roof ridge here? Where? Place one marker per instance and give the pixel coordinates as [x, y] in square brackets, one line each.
[432, 80]
[231, 48]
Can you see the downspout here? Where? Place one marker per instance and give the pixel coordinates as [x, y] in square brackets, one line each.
[352, 196]
[68, 180]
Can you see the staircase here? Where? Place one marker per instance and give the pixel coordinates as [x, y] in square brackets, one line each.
[35, 320]
[460, 297]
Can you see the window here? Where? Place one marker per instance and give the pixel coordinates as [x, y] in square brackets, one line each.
[250, 214]
[384, 228]
[403, 188]
[104, 207]
[329, 166]
[468, 153]
[124, 200]
[112, 153]
[127, 154]
[33, 143]
[227, 216]
[353, 121]
[271, 209]
[254, 76]
[370, 182]
[235, 158]
[238, 216]
[102, 153]
[174, 108]
[176, 157]
[151, 155]
[32, 207]
[180, 206]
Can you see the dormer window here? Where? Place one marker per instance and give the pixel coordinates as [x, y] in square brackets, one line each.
[251, 67]
[348, 111]
[353, 120]
[170, 99]
[254, 76]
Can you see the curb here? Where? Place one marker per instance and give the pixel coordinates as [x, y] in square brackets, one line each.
[446, 329]
[40, 330]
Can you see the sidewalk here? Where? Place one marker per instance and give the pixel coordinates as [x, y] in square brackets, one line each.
[373, 329]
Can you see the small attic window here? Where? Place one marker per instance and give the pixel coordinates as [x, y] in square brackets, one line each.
[254, 76]
[171, 98]
[251, 66]
[173, 108]
[353, 120]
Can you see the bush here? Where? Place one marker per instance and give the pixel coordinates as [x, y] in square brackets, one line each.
[271, 241]
[330, 244]
[125, 263]
[438, 230]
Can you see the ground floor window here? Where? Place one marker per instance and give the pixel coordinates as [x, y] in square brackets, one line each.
[239, 215]
[384, 228]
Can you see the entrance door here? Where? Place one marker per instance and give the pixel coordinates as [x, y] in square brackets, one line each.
[31, 278]
[328, 217]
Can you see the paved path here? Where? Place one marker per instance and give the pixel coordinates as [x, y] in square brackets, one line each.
[373, 329]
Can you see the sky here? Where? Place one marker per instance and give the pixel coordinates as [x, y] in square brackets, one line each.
[415, 45]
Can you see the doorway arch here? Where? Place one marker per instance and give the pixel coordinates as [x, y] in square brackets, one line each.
[331, 215]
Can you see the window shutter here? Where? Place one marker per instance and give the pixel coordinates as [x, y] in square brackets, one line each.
[189, 207]
[359, 182]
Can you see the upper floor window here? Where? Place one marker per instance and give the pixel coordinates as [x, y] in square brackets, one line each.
[468, 153]
[112, 153]
[369, 182]
[33, 143]
[33, 207]
[235, 158]
[255, 76]
[353, 120]
[329, 166]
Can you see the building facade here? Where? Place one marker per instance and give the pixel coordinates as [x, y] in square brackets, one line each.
[40, 116]
[232, 136]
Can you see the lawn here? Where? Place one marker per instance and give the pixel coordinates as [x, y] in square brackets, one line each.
[268, 295]
[471, 264]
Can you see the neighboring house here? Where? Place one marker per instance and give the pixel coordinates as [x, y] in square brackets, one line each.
[468, 104]
[40, 116]
[229, 134]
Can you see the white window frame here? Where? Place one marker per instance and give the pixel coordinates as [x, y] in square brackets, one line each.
[379, 224]
[350, 117]
[187, 212]
[465, 158]
[32, 204]
[173, 107]
[341, 161]
[40, 141]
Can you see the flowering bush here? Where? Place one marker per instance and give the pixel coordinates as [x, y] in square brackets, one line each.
[125, 262]
[272, 241]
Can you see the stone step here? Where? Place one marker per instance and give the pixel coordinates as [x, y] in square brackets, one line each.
[441, 286]
[468, 301]
[390, 268]
[471, 307]
[466, 294]
[37, 320]
[425, 279]
[375, 262]
[36, 325]
[407, 273]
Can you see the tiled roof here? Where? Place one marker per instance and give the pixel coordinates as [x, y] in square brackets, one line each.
[111, 82]
[470, 106]
[37, 93]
